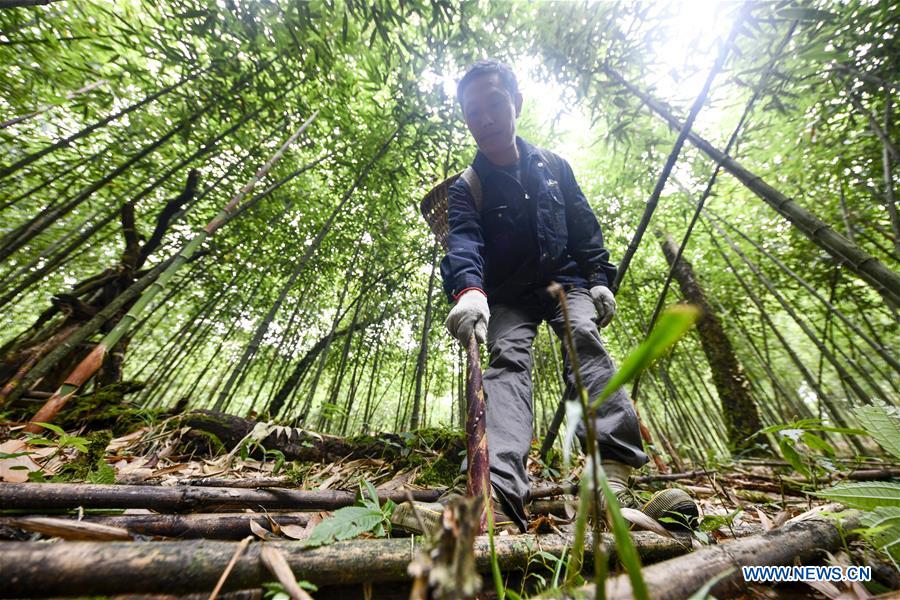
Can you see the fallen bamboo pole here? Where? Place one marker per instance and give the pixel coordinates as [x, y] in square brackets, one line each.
[215, 526]
[36, 569]
[212, 526]
[39, 496]
[256, 482]
[796, 543]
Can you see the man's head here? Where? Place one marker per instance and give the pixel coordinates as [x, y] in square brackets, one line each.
[489, 96]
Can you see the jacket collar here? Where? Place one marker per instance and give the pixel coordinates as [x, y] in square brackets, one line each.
[484, 167]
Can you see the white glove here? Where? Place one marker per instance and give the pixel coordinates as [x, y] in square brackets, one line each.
[605, 302]
[470, 314]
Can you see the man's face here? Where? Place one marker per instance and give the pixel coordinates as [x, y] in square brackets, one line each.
[491, 113]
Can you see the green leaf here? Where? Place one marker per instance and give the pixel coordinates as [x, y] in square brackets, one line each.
[792, 456]
[864, 495]
[279, 460]
[625, 549]
[883, 529]
[671, 327]
[817, 443]
[79, 443]
[6, 455]
[103, 474]
[345, 523]
[703, 592]
[36, 477]
[54, 428]
[806, 14]
[373, 493]
[882, 423]
[713, 522]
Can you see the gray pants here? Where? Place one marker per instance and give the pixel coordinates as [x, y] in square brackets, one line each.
[507, 389]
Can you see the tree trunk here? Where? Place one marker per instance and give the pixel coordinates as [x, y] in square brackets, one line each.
[739, 410]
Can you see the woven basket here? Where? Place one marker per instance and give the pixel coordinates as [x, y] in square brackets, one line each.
[434, 209]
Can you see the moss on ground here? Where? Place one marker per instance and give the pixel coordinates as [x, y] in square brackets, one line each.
[438, 473]
[91, 465]
[108, 409]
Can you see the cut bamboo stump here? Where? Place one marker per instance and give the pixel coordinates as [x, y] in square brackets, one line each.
[39, 496]
[37, 569]
[216, 526]
[795, 543]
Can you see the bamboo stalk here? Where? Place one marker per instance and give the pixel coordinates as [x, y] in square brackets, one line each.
[836, 414]
[213, 526]
[732, 139]
[879, 348]
[22, 3]
[42, 109]
[738, 407]
[683, 132]
[885, 281]
[42, 496]
[423, 341]
[843, 374]
[800, 542]
[91, 364]
[39, 569]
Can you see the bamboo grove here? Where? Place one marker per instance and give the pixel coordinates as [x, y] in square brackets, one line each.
[297, 138]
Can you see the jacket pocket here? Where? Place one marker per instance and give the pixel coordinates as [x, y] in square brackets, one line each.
[555, 204]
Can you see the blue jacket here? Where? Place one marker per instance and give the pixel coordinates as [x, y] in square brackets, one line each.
[526, 235]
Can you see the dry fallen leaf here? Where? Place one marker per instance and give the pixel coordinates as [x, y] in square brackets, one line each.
[645, 522]
[260, 531]
[71, 529]
[279, 567]
[295, 532]
[15, 470]
[765, 521]
[123, 442]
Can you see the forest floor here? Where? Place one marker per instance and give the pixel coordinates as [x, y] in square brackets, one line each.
[181, 481]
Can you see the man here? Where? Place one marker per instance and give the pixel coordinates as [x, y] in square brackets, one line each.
[534, 227]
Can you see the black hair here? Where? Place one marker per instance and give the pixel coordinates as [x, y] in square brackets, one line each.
[489, 66]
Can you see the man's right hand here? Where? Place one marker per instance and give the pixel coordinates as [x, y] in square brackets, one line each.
[470, 314]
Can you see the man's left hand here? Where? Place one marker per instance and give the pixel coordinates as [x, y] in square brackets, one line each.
[605, 302]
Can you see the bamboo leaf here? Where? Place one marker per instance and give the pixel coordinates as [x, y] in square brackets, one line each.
[806, 14]
[672, 325]
[54, 428]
